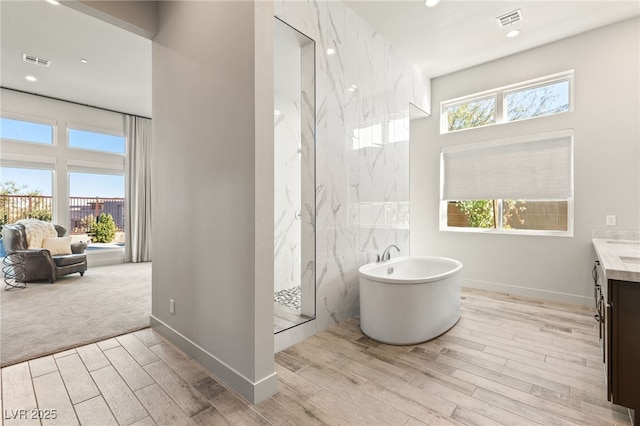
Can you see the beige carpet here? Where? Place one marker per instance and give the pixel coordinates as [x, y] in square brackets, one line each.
[46, 318]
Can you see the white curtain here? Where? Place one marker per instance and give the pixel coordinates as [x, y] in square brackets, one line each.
[535, 168]
[138, 190]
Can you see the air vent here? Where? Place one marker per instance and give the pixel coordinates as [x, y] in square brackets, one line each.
[35, 60]
[509, 18]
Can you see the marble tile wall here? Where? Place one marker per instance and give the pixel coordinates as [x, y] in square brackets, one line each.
[287, 199]
[363, 91]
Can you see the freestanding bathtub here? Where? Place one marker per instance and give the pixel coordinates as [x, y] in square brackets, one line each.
[409, 300]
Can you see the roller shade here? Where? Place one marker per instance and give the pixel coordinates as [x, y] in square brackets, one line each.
[539, 168]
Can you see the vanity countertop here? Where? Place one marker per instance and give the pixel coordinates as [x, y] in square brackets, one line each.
[619, 254]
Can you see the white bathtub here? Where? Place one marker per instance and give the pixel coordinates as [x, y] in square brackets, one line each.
[409, 300]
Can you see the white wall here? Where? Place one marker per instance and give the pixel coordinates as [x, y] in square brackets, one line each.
[606, 160]
[138, 17]
[213, 188]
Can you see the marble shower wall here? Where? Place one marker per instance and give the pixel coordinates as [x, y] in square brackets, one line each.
[363, 91]
[287, 201]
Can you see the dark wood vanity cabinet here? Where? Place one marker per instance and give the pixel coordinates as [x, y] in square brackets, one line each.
[623, 343]
[618, 315]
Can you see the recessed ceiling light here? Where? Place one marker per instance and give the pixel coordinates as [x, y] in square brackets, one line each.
[54, 2]
[331, 51]
[84, 61]
[30, 78]
[431, 3]
[513, 33]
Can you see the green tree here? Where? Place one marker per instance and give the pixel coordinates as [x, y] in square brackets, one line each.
[480, 213]
[104, 230]
[12, 211]
[471, 114]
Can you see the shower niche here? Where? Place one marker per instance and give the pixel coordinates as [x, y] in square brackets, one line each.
[294, 177]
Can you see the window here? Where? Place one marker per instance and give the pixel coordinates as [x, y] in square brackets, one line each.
[26, 131]
[519, 186]
[93, 194]
[474, 113]
[25, 193]
[536, 98]
[509, 215]
[68, 176]
[537, 101]
[97, 141]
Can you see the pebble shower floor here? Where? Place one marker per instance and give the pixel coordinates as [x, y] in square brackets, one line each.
[289, 297]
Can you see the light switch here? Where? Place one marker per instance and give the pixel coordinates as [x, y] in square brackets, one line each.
[611, 220]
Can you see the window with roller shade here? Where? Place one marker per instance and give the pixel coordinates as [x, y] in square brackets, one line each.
[522, 185]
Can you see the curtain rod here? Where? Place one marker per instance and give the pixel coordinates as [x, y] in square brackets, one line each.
[73, 102]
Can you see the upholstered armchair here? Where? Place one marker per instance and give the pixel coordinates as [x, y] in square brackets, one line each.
[48, 263]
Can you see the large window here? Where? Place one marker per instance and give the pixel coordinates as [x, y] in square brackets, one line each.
[516, 186]
[72, 176]
[26, 131]
[537, 98]
[92, 195]
[25, 193]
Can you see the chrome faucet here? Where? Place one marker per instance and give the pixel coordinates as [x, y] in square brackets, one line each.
[386, 254]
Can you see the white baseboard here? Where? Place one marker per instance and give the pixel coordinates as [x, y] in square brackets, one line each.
[254, 392]
[551, 296]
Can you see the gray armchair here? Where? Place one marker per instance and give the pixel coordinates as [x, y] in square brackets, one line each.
[39, 264]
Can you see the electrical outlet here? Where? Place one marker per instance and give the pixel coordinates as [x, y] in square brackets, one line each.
[611, 220]
[172, 306]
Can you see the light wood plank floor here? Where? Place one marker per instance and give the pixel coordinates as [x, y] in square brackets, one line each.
[509, 361]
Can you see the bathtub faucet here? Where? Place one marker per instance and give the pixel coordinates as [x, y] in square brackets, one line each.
[386, 254]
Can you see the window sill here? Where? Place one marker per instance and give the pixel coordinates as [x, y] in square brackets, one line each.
[528, 232]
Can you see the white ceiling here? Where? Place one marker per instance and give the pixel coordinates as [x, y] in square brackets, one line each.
[455, 35]
[451, 36]
[117, 76]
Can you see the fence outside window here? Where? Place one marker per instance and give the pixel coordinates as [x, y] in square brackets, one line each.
[82, 210]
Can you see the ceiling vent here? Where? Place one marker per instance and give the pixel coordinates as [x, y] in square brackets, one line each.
[35, 60]
[509, 18]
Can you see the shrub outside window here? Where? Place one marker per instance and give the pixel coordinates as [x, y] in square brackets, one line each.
[509, 215]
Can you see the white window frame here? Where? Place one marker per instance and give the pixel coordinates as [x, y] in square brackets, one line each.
[500, 94]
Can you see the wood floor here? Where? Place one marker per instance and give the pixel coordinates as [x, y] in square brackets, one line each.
[508, 361]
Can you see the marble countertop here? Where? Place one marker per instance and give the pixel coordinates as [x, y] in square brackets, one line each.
[619, 254]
